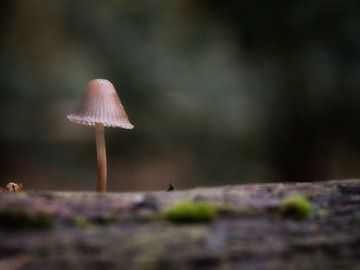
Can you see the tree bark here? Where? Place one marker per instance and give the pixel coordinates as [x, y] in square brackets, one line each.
[82, 230]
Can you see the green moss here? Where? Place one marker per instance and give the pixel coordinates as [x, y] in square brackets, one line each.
[81, 222]
[295, 206]
[190, 211]
[19, 219]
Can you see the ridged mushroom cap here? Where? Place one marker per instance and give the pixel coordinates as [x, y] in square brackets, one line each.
[100, 104]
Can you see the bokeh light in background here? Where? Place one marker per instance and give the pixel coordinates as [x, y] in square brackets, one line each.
[220, 92]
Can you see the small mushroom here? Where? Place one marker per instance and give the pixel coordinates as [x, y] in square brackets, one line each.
[101, 107]
[14, 187]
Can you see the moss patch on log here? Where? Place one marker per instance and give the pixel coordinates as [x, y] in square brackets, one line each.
[187, 211]
[295, 206]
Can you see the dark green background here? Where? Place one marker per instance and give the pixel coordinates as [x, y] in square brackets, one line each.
[220, 92]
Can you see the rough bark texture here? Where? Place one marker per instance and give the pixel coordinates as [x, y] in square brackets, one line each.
[127, 231]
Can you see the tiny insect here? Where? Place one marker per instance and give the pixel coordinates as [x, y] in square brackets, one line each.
[171, 187]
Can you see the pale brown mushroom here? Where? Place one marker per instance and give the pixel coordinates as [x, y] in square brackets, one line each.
[101, 107]
[14, 187]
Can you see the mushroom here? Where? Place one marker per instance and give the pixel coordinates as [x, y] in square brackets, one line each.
[14, 187]
[101, 107]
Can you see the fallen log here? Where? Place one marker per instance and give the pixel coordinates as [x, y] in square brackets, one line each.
[259, 226]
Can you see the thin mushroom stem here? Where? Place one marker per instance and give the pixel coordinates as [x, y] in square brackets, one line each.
[101, 157]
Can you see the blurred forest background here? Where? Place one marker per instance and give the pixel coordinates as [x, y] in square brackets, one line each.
[220, 92]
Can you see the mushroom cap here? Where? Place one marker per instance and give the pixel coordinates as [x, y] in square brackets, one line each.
[100, 104]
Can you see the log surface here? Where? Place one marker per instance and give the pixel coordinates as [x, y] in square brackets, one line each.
[126, 230]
